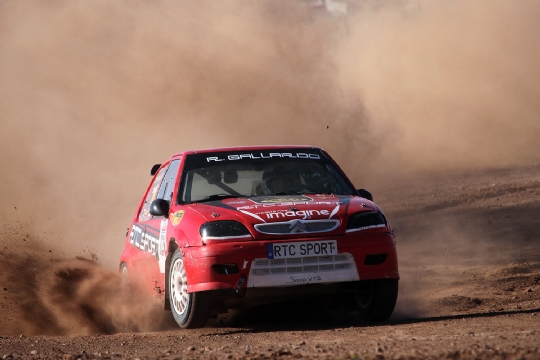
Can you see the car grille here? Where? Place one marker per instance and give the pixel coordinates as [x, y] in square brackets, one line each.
[268, 267]
[297, 226]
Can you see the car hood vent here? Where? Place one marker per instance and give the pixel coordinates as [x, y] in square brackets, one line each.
[298, 227]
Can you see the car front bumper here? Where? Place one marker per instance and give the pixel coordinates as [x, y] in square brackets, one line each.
[364, 256]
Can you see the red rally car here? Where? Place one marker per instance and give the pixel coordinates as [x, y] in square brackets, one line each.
[236, 227]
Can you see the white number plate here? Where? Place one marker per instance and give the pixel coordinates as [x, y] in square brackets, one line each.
[301, 249]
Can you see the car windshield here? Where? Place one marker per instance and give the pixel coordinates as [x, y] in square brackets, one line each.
[215, 176]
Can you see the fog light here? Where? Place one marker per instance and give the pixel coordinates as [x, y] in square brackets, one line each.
[375, 259]
[225, 269]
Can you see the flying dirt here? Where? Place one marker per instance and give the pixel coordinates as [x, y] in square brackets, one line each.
[432, 106]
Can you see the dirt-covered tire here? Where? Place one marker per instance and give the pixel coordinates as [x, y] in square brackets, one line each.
[190, 310]
[376, 299]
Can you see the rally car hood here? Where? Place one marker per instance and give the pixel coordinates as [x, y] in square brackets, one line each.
[271, 209]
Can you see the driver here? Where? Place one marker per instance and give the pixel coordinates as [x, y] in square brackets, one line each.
[278, 180]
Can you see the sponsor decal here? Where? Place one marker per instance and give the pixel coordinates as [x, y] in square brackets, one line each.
[252, 215]
[146, 241]
[302, 249]
[323, 197]
[280, 199]
[240, 283]
[334, 211]
[305, 214]
[162, 244]
[176, 217]
[366, 228]
[253, 156]
[300, 280]
[264, 206]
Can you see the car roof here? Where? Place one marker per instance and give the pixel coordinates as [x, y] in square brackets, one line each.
[245, 148]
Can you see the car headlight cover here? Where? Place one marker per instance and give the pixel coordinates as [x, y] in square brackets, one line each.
[223, 230]
[366, 220]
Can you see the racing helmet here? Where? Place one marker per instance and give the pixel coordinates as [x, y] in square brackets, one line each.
[277, 180]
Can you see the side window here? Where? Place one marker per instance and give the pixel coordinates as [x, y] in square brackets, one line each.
[152, 195]
[167, 185]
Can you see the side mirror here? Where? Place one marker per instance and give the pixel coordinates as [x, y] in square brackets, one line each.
[362, 192]
[159, 207]
[154, 169]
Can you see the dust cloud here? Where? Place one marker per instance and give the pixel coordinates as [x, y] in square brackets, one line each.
[44, 293]
[94, 93]
[451, 85]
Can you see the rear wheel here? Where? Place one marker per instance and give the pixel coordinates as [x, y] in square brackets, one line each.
[376, 299]
[190, 310]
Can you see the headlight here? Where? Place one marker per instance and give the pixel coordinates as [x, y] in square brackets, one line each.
[223, 230]
[365, 220]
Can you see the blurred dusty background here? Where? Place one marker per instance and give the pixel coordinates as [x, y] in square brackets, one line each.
[94, 93]
[432, 105]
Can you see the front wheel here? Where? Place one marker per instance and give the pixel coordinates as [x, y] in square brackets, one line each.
[376, 299]
[190, 310]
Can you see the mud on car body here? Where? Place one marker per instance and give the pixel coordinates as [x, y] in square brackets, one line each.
[229, 228]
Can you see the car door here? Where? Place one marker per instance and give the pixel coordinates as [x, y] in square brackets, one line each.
[143, 239]
[152, 259]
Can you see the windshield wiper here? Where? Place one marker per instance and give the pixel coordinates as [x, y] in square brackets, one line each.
[289, 193]
[302, 193]
[220, 197]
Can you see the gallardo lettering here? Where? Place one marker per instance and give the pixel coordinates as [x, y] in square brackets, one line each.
[264, 156]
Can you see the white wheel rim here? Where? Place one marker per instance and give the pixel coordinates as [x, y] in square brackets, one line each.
[179, 294]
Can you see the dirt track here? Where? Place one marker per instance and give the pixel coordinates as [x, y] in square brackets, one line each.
[476, 336]
[470, 267]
